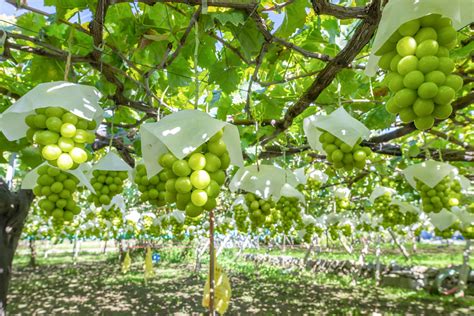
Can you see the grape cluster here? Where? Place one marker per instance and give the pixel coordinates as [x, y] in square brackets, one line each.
[258, 208]
[448, 232]
[289, 210]
[153, 189]
[113, 215]
[240, 217]
[342, 203]
[194, 183]
[342, 155]
[420, 70]
[310, 230]
[391, 213]
[346, 230]
[445, 194]
[57, 189]
[106, 184]
[61, 136]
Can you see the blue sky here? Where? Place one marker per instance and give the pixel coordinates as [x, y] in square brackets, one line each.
[8, 9]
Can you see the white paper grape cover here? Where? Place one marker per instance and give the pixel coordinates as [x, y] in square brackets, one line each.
[117, 201]
[379, 191]
[112, 162]
[429, 172]
[264, 181]
[405, 206]
[80, 100]
[29, 181]
[459, 11]
[289, 191]
[443, 219]
[181, 133]
[342, 193]
[300, 175]
[318, 175]
[339, 123]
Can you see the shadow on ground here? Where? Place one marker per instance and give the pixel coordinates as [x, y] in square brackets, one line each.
[100, 288]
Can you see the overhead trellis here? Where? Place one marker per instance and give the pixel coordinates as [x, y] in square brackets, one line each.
[141, 54]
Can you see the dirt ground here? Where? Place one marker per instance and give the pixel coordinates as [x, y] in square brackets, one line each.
[99, 288]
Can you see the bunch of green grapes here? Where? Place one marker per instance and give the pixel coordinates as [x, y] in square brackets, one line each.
[258, 208]
[289, 209]
[334, 230]
[240, 217]
[57, 188]
[410, 218]
[154, 230]
[111, 214]
[308, 234]
[61, 136]
[224, 227]
[446, 194]
[365, 227]
[153, 189]
[177, 228]
[390, 213]
[468, 232]
[342, 155]
[106, 184]
[313, 184]
[448, 232]
[194, 183]
[420, 74]
[342, 203]
[272, 221]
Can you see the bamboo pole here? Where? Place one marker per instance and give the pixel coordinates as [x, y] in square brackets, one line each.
[211, 263]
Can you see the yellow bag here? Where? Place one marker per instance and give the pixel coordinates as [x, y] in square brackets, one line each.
[127, 262]
[148, 267]
[222, 290]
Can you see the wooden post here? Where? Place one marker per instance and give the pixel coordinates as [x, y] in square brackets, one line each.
[32, 252]
[377, 259]
[211, 263]
[399, 245]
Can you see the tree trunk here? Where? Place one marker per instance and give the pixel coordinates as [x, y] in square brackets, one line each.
[32, 252]
[14, 207]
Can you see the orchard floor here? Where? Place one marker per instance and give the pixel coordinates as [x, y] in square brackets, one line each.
[95, 286]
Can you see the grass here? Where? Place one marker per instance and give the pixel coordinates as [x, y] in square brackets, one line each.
[95, 285]
[427, 255]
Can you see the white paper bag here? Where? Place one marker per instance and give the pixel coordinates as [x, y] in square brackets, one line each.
[342, 193]
[117, 201]
[181, 133]
[466, 218]
[379, 191]
[300, 175]
[339, 123]
[398, 12]
[443, 219]
[289, 191]
[29, 181]
[308, 219]
[112, 162]
[405, 206]
[429, 172]
[318, 175]
[265, 181]
[80, 100]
